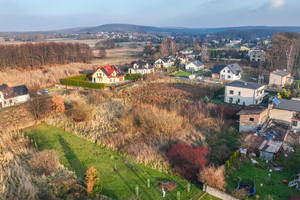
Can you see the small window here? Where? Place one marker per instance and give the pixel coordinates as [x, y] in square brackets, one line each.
[229, 76]
[239, 93]
[256, 101]
[294, 123]
[228, 71]
[224, 70]
[231, 92]
[230, 100]
[238, 100]
[251, 119]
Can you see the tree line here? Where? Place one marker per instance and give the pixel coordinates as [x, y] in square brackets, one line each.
[32, 55]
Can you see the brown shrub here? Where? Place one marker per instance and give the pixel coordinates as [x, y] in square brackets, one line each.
[240, 194]
[45, 162]
[213, 177]
[81, 111]
[58, 103]
[39, 106]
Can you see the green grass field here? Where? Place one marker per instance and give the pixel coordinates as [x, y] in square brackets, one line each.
[182, 74]
[258, 175]
[120, 175]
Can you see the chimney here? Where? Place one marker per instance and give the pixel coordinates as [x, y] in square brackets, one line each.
[245, 83]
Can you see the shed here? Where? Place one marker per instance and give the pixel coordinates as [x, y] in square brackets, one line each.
[269, 148]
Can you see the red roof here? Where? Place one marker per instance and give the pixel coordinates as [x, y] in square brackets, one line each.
[109, 69]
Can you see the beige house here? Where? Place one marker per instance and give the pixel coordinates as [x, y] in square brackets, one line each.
[244, 93]
[164, 62]
[252, 117]
[286, 110]
[10, 96]
[140, 67]
[280, 78]
[108, 74]
[194, 66]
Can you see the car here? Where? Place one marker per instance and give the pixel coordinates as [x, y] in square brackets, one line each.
[45, 91]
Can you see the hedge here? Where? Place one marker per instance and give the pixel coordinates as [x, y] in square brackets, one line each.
[81, 82]
[171, 69]
[132, 76]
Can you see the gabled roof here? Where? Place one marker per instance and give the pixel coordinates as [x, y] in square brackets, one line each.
[242, 84]
[271, 146]
[109, 69]
[197, 63]
[235, 68]
[141, 64]
[10, 92]
[217, 69]
[252, 109]
[281, 73]
[285, 104]
[166, 59]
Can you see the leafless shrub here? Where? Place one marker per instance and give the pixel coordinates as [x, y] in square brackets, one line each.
[240, 194]
[213, 176]
[81, 111]
[45, 162]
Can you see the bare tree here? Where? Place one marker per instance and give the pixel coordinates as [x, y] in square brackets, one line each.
[204, 53]
[102, 53]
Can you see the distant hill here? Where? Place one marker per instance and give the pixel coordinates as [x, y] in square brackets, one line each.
[144, 29]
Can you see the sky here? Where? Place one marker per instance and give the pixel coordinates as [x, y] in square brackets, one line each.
[43, 15]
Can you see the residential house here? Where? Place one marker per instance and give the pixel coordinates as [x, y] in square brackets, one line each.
[227, 72]
[280, 78]
[285, 110]
[256, 55]
[10, 96]
[194, 66]
[252, 117]
[108, 74]
[140, 67]
[190, 54]
[164, 62]
[244, 93]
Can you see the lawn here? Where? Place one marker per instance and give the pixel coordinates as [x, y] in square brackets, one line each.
[259, 174]
[120, 175]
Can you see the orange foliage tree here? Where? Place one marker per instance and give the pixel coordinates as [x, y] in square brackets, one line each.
[58, 103]
[213, 176]
[92, 181]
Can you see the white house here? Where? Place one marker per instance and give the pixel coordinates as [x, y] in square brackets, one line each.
[194, 66]
[230, 72]
[244, 93]
[10, 96]
[164, 62]
[140, 67]
[108, 74]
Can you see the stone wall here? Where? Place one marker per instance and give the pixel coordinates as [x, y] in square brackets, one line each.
[217, 193]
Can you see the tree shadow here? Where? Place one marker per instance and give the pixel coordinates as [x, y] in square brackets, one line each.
[74, 162]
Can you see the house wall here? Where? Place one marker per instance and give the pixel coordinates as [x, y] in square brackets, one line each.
[246, 125]
[192, 66]
[275, 79]
[160, 63]
[101, 77]
[13, 101]
[249, 96]
[140, 71]
[279, 114]
[226, 74]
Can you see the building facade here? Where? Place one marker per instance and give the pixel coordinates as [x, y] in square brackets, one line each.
[280, 78]
[108, 74]
[244, 93]
[140, 67]
[230, 72]
[10, 96]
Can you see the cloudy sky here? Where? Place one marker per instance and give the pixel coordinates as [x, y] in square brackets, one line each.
[34, 15]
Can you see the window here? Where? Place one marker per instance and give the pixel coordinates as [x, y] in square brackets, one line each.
[228, 77]
[294, 123]
[256, 102]
[224, 70]
[251, 119]
[231, 92]
[239, 93]
[230, 100]
[228, 71]
[238, 100]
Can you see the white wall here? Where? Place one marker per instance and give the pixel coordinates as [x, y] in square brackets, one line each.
[249, 96]
[226, 74]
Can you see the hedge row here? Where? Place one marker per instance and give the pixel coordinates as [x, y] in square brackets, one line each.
[132, 76]
[80, 81]
[171, 69]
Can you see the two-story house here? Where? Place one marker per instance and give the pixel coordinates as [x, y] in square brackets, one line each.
[10, 96]
[227, 72]
[256, 55]
[140, 67]
[108, 74]
[280, 78]
[194, 66]
[244, 93]
[164, 62]
[285, 110]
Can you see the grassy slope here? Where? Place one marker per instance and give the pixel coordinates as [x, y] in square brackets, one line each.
[78, 155]
[276, 188]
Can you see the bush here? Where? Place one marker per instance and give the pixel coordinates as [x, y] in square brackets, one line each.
[219, 92]
[240, 194]
[132, 76]
[81, 111]
[93, 182]
[186, 160]
[45, 162]
[58, 103]
[171, 69]
[213, 177]
[39, 106]
[80, 81]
